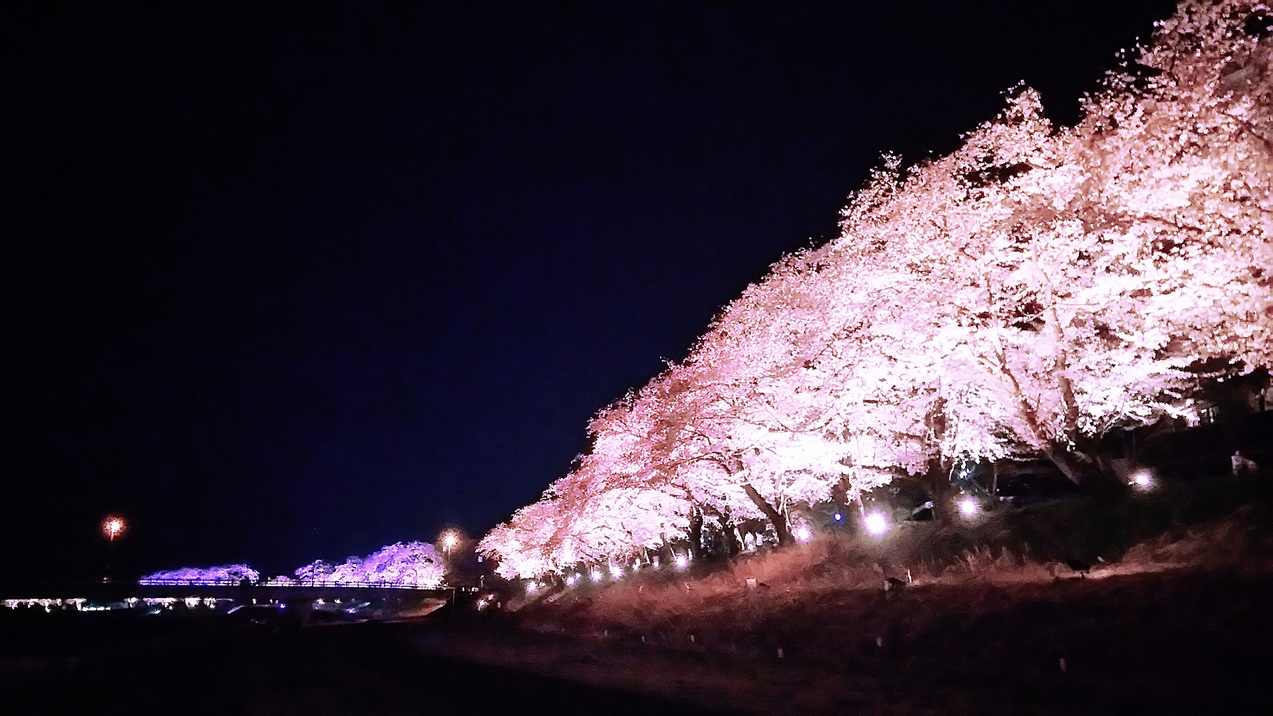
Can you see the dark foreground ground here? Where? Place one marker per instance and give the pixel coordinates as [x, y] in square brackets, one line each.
[1163, 643]
[343, 669]
[1182, 641]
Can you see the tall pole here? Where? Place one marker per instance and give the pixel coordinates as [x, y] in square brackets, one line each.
[113, 528]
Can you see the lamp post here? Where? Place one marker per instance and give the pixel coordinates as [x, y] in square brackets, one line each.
[449, 540]
[113, 528]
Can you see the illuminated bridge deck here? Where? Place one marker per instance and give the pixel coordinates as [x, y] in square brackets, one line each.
[119, 591]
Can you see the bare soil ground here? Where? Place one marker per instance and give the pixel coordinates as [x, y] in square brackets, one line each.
[1174, 617]
[1178, 641]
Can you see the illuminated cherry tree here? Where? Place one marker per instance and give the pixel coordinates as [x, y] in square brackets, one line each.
[1024, 295]
[229, 574]
[410, 564]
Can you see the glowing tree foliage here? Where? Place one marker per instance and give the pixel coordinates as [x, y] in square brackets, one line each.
[413, 564]
[230, 574]
[315, 572]
[1027, 294]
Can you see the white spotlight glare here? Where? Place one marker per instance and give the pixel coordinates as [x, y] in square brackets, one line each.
[876, 524]
[1143, 480]
[968, 507]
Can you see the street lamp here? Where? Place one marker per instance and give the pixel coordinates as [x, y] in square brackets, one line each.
[113, 527]
[449, 540]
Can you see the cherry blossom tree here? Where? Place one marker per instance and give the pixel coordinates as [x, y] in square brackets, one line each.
[229, 574]
[410, 564]
[1028, 294]
[315, 572]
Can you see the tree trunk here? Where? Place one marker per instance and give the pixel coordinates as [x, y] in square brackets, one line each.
[938, 468]
[732, 545]
[939, 489]
[696, 533]
[776, 518]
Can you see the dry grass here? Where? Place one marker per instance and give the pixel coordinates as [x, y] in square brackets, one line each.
[1171, 529]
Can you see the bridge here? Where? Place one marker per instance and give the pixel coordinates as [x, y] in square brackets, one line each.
[298, 594]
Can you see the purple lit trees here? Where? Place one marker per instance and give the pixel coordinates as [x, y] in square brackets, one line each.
[230, 574]
[410, 564]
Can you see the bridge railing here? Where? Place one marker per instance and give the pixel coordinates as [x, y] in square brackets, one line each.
[315, 583]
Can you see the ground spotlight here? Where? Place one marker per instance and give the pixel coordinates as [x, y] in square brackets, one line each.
[1142, 480]
[876, 524]
[968, 507]
[802, 533]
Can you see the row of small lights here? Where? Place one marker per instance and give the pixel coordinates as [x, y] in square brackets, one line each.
[680, 561]
[876, 524]
[82, 605]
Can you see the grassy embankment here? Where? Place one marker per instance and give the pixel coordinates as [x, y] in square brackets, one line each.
[1173, 616]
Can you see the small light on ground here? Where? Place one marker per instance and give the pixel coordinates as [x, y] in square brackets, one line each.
[876, 524]
[802, 533]
[839, 517]
[682, 561]
[1143, 480]
[968, 507]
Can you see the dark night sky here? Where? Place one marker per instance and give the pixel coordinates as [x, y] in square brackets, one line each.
[282, 285]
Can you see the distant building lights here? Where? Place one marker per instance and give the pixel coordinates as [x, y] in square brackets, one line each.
[876, 524]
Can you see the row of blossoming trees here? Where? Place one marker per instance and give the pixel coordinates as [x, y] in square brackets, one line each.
[410, 564]
[1025, 295]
